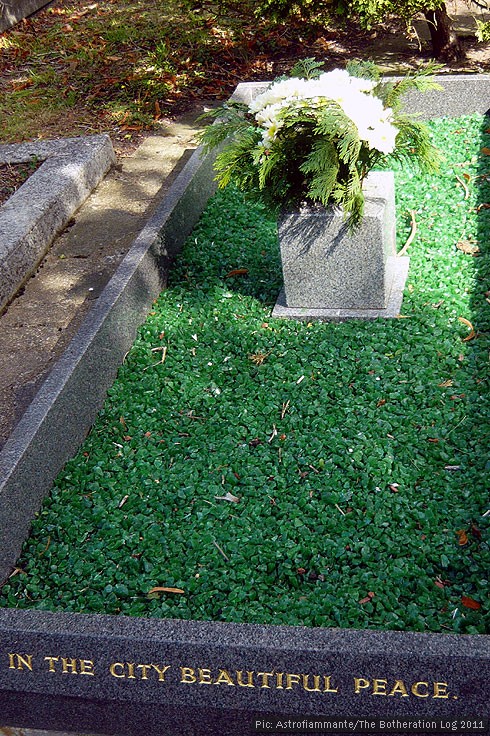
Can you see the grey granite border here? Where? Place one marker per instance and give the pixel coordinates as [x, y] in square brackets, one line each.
[398, 268]
[50, 432]
[33, 216]
[65, 407]
[216, 673]
[11, 11]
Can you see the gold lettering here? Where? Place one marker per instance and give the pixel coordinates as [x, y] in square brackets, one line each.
[416, 688]
[360, 684]
[204, 676]
[265, 678]
[112, 669]
[69, 666]
[130, 666]
[86, 667]
[399, 689]
[379, 687]
[51, 661]
[224, 678]
[250, 678]
[161, 671]
[327, 688]
[279, 676]
[144, 668]
[292, 679]
[440, 690]
[316, 683]
[19, 661]
[187, 674]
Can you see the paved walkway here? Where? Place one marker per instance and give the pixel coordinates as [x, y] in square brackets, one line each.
[42, 319]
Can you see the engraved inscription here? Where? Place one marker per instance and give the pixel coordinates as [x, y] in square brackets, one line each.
[179, 674]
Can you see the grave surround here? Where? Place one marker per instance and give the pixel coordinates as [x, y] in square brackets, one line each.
[11, 11]
[101, 674]
[32, 217]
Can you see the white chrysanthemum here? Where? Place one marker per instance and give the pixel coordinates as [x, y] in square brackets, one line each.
[286, 89]
[372, 120]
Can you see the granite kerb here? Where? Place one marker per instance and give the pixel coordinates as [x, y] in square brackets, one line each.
[32, 217]
[218, 673]
[455, 669]
[12, 11]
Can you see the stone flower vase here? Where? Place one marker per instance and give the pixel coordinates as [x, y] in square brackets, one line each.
[339, 274]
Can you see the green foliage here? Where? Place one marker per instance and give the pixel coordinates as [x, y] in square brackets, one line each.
[369, 12]
[317, 154]
[366, 12]
[483, 31]
[310, 438]
[281, 9]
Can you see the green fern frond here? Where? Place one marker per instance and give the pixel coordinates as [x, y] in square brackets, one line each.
[415, 136]
[307, 69]
[420, 81]
[229, 120]
[363, 69]
[235, 163]
[269, 166]
[323, 164]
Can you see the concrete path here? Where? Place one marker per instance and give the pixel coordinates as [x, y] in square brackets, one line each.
[42, 319]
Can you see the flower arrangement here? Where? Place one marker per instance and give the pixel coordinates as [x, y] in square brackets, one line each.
[314, 136]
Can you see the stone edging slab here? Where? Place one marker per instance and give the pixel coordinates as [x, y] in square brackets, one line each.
[122, 675]
[42, 206]
[11, 11]
[220, 676]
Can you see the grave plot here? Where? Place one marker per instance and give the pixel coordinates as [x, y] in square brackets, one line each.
[67, 670]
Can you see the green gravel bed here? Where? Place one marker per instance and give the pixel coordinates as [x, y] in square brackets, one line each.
[323, 474]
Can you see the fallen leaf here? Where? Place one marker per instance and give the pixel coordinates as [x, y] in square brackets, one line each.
[369, 596]
[381, 402]
[228, 497]
[466, 322]
[462, 537]
[159, 589]
[446, 384]
[466, 247]
[475, 531]
[258, 358]
[486, 151]
[393, 487]
[237, 272]
[432, 439]
[470, 602]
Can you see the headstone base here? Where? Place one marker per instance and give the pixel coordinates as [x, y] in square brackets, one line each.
[399, 270]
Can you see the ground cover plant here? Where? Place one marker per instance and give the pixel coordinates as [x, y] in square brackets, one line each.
[260, 470]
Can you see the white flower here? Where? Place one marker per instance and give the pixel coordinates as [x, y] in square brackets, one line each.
[353, 94]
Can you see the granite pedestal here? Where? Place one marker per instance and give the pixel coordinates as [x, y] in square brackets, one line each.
[331, 272]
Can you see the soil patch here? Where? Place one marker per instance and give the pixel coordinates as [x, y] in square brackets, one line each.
[12, 176]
